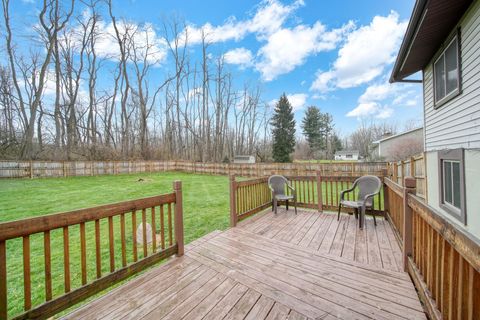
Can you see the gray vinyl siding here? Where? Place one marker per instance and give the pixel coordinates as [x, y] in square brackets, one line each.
[456, 124]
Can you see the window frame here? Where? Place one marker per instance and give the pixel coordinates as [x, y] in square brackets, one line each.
[455, 155]
[438, 103]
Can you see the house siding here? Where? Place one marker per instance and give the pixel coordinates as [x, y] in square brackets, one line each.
[472, 200]
[456, 124]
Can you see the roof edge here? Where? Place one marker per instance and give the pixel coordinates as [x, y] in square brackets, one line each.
[413, 24]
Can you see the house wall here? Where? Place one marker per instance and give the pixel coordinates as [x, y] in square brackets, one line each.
[402, 146]
[472, 196]
[456, 124]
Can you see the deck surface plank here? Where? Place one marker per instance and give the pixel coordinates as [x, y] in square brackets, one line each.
[284, 266]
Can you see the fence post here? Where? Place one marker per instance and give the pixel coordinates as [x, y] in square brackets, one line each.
[319, 191]
[31, 169]
[233, 201]
[409, 184]
[177, 187]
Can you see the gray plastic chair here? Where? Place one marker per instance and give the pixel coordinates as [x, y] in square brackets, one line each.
[278, 185]
[368, 187]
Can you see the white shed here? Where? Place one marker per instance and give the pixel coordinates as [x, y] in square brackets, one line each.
[348, 155]
[244, 159]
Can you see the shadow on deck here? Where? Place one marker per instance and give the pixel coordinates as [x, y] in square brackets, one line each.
[282, 266]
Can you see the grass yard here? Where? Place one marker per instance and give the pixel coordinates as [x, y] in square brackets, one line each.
[205, 205]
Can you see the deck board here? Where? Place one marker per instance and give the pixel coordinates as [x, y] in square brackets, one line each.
[283, 266]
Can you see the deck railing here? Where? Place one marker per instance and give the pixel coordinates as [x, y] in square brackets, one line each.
[315, 192]
[71, 248]
[441, 258]
[415, 167]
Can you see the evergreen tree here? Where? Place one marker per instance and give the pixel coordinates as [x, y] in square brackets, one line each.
[283, 130]
[311, 126]
[336, 143]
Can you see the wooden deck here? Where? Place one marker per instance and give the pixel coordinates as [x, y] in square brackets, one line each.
[307, 266]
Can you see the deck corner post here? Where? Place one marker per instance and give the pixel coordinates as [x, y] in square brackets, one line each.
[319, 191]
[409, 184]
[177, 187]
[3, 280]
[233, 201]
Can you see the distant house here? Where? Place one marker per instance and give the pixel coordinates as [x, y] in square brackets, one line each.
[351, 155]
[442, 42]
[398, 146]
[244, 159]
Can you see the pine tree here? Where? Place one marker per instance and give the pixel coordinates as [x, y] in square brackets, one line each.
[283, 130]
[311, 126]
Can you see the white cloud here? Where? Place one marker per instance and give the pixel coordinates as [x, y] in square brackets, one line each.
[377, 92]
[379, 98]
[297, 100]
[239, 56]
[365, 54]
[269, 17]
[288, 48]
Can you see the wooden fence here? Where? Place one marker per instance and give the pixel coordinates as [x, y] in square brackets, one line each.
[39, 169]
[316, 192]
[48, 239]
[443, 260]
[413, 167]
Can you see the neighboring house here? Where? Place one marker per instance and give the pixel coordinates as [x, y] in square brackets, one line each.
[244, 159]
[399, 146]
[349, 155]
[443, 42]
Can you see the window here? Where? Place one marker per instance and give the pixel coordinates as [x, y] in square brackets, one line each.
[446, 72]
[349, 156]
[452, 190]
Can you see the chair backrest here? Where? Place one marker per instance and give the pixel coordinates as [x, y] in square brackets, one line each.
[368, 185]
[277, 183]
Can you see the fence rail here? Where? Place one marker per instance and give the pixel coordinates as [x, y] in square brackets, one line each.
[62, 240]
[315, 192]
[443, 260]
[40, 169]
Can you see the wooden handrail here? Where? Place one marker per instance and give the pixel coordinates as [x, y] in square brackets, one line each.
[171, 242]
[465, 244]
[442, 258]
[316, 192]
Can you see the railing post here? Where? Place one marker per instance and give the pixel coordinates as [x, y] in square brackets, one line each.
[319, 191]
[409, 184]
[177, 187]
[233, 201]
[3, 280]
[386, 204]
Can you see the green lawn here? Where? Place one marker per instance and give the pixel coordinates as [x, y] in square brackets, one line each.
[206, 208]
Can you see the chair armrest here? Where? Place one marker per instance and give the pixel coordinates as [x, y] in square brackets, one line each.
[293, 189]
[369, 196]
[342, 193]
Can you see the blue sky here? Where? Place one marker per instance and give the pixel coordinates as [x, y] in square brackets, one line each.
[336, 55]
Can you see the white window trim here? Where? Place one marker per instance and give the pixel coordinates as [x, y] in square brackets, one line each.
[442, 54]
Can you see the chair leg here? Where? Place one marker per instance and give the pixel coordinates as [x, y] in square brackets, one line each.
[295, 204]
[272, 204]
[286, 204]
[374, 220]
[339, 208]
[275, 204]
[361, 221]
[356, 213]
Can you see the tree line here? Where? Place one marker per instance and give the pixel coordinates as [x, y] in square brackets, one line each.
[60, 98]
